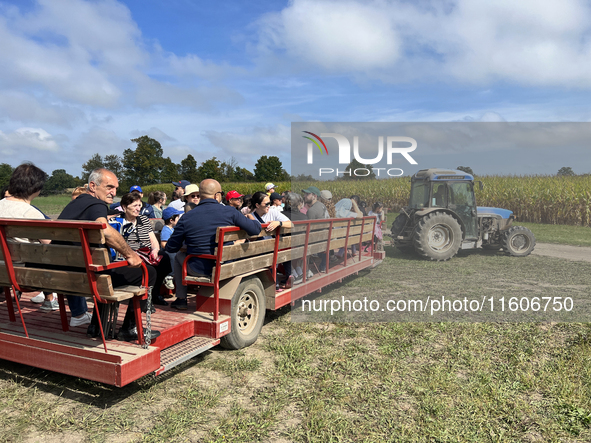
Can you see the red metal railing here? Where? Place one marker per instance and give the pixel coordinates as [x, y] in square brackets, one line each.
[217, 258]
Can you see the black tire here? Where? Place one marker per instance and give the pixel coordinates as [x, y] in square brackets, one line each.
[248, 314]
[397, 227]
[438, 236]
[519, 241]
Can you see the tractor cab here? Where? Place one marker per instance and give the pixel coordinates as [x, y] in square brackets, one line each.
[448, 190]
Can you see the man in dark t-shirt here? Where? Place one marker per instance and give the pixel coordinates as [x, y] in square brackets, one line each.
[102, 186]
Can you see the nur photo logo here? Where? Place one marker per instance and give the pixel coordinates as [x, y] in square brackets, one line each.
[395, 145]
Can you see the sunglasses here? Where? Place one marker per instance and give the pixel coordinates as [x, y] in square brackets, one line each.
[194, 196]
[264, 205]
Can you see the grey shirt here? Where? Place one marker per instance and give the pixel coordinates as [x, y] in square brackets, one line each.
[317, 211]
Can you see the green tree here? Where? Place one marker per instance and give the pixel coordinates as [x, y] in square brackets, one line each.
[566, 171]
[466, 169]
[243, 175]
[95, 162]
[5, 173]
[170, 171]
[269, 169]
[113, 164]
[188, 169]
[353, 166]
[229, 170]
[210, 169]
[143, 165]
[59, 181]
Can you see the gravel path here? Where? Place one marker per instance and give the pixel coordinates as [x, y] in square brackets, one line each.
[576, 253]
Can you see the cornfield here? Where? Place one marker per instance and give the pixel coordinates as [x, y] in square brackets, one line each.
[537, 199]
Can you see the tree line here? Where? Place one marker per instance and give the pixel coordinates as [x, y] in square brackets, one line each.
[146, 165]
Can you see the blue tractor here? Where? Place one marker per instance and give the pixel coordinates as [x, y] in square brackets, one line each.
[442, 218]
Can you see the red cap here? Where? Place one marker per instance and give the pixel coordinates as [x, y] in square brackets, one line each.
[233, 194]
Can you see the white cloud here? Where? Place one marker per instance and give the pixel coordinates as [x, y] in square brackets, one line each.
[337, 36]
[250, 144]
[92, 53]
[27, 139]
[99, 140]
[476, 41]
[28, 109]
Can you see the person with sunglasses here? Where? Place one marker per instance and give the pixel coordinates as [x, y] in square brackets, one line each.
[264, 212]
[192, 194]
[235, 199]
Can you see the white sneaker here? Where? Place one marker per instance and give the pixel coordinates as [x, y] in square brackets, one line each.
[48, 305]
[39, 298]
[85, 319]
[169, 282]
[309, 274]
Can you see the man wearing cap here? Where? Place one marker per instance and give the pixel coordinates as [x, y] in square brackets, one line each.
[326, 200]
[269, 188]
[146, 209]
[197, 229]
[234, 199]
[316, 209]
[180, 190]
[276, 200]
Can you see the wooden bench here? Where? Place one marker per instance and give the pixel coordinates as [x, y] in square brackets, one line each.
[77, 247]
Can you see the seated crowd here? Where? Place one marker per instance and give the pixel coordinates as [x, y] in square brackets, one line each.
[190, 221]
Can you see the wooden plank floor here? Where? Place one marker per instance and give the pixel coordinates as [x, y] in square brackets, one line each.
[47, 325]
[73, 353]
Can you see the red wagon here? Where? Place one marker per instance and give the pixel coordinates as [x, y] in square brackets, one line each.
[227, 309]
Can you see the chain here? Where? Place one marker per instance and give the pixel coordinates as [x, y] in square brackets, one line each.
[148, 329]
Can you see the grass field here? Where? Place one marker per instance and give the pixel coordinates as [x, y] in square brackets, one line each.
[52, 204]
[348, 382]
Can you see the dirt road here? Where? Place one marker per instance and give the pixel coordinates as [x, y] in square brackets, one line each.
[576, 253]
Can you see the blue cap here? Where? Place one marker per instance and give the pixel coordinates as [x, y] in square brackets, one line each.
[169, 212]
[136, 188]
[182, 183]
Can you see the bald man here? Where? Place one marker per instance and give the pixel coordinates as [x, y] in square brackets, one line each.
[197, 229]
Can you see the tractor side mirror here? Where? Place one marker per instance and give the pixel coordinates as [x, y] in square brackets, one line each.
[480, 185]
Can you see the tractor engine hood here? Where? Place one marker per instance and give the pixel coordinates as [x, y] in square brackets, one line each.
[504, 213]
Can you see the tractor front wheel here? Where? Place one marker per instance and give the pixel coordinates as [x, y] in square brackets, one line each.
[438, 236]
[519, 241]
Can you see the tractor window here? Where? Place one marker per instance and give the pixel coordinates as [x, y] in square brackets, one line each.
[419, 195]
[461, 194]
[438, 195]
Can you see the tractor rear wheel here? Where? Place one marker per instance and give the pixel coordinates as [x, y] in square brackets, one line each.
[519, 241]
[438, 236]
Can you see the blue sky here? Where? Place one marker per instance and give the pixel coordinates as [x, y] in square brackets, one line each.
[228, 78]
